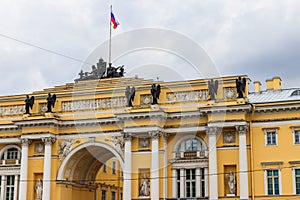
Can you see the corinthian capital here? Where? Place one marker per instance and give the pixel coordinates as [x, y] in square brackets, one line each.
[242, 129]
[155, 134]
[212, 130]
[127, 137]
[25, 141]
[48, 140]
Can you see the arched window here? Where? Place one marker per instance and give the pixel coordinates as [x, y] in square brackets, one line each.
[296, 93]
[10, 155]
[190, 147]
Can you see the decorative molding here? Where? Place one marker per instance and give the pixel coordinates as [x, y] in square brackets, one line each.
[127, 137]
[294, 162]
[264, 164]
[213, 130]
[48, 140]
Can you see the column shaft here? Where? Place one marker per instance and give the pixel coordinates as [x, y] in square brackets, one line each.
[24, 169]
[3, 185]
[174, 183]
[213, 170]
[198, 183]
[244, 193]
[47, 168]
[182, 183]
[16, 187]
[155, 170]
[127, 168]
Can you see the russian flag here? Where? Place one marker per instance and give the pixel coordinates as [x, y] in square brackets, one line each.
[113, 20]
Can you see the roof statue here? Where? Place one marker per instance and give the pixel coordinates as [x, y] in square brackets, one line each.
[155, 91]
[50, 102]
[213, 88]
[101, 71]
[28, 104]
[240, 86]
[129, 93]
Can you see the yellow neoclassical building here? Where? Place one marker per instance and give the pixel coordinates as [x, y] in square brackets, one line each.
[104, 140]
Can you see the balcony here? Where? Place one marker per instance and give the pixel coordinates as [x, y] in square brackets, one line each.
[190, 154]
[9, 162]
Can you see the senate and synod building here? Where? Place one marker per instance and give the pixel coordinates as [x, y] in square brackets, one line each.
[107, 137]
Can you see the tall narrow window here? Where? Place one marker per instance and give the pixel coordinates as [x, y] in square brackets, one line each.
[113, 195]
[10, 187]
[190, 182]
[297, 180]
[273, 182]
[103, 195]
[178, 182]
[202, 175]
[114, 167]
[297, 136]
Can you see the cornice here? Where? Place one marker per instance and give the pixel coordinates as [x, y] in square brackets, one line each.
[86, 122]
[277, 108]
[159, 114]
[184, 115]
[224, 109]
[36, 122]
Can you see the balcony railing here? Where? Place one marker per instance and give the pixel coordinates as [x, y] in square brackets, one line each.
[9, 162]
[191, 154]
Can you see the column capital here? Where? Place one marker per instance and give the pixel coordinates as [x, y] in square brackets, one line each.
[127, 137]
[212, 130]
[25, 141]
[166, 136]
[155, 134]
[48, 140]
[242, 129]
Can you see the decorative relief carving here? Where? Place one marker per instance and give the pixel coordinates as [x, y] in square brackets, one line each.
[230, 92]
[127, 137]
[146, 99]
[118, 143]
[213, 130]
[43, 107]
[144, 142]
[25, 141]
[187, 96]
[39, 148]
[65, 147]
[12, 110]
[228, 137]
[94, 104]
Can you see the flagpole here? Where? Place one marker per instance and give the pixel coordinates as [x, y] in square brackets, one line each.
[109, 51]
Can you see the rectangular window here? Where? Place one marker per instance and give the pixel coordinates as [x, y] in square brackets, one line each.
[202, 175]
[178, 182]
[297, 180]
[103, 195]
[190, 182]
[114, 167]
[10, 187]
[271, 138]
[113, 195]
[297, 136]
[273, 182]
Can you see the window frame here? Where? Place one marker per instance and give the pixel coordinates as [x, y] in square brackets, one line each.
[271, 130]
[296, 131]
[294, 176]
[273, 183]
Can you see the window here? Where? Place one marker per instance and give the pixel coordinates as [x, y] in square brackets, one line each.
[113, 195]
[103, 195]
[11, 154]
[297, 180]
[271, 138]
[104, 168]
[297, 136]
[121, 196]
[114, 167]
[272, 182]
[178, 182]
[10, 187]
[190, 182]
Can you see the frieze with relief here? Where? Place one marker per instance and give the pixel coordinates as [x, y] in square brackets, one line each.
[187, 96]
[94, 104]
[12, 110]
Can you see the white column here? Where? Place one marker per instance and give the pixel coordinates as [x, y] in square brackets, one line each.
[212, 162]
[165, 165]
[206, 181]
[16, 187]
[47, 167]
[244, 193]
[155, 165]
[24, 169]
[198, 182]
[127, 167]
[174, 183]
[3, 185]
[182, 183]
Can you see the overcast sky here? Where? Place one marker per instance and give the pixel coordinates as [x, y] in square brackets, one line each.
[257, 38]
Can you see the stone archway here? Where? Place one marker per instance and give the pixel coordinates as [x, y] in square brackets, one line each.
[77, 173]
